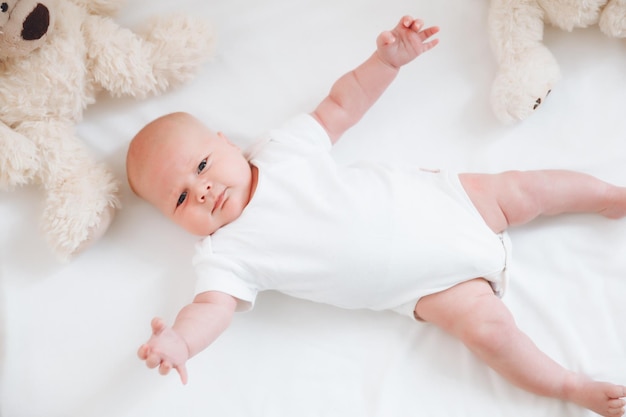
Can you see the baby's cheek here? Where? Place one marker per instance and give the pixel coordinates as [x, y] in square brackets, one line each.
[231, 210]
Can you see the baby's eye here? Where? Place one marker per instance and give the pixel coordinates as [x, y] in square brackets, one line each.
[202, 165]
[181, 199]
[4, 7]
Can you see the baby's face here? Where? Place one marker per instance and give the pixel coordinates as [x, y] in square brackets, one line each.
[194, 176]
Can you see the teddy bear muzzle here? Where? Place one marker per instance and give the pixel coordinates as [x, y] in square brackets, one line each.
[36, 23]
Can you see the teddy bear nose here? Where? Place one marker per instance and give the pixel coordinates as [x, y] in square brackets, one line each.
[36, 24]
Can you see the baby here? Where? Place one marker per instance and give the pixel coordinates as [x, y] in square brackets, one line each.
[285, 216]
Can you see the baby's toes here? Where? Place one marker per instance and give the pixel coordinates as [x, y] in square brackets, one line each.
[616, 407]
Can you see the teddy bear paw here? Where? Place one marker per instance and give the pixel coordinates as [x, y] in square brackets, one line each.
[520, 89]
[68, 237]
[19, 162]
[613, 19]
[79, 209]
[181, 44]
[97, 231]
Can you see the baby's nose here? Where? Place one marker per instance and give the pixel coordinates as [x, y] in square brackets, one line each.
[203, 189]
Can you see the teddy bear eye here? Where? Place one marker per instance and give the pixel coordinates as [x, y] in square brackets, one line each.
[4, 7]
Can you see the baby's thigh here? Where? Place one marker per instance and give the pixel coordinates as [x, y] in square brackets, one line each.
[484, 191]
[462, 307]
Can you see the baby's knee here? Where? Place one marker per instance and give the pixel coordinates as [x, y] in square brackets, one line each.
[518, 196]
[489, 328]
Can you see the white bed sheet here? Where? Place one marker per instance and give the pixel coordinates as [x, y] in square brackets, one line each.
[69, 332]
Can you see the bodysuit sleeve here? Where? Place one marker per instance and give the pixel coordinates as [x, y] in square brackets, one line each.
[301, 135]
[216, 273]
[302, 131]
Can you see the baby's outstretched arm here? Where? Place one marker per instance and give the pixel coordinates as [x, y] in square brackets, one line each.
[196, 327]
[354, 93]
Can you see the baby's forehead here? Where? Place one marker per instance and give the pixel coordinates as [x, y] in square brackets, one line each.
[158, 140]
[165, 138]
[184, 131]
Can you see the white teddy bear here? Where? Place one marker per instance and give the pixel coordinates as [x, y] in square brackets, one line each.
[527, 70]
[55, 57]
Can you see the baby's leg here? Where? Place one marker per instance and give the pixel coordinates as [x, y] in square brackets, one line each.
[516, 197]
[471, 312]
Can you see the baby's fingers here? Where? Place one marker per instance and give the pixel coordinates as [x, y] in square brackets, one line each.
[413, 24]
[166, 367]
[158, 325]
[145, 353]
[153, 360]
[429, 32]
[182, 371]
[424, 36]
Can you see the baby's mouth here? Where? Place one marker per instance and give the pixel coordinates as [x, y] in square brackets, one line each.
[219, 201]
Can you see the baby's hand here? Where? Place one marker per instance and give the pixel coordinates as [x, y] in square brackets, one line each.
[405, 42]
[165, 349]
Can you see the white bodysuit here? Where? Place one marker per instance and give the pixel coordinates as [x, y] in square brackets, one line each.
[357, 236]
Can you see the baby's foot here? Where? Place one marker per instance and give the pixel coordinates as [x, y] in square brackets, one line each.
[602, 398]
[616, 208]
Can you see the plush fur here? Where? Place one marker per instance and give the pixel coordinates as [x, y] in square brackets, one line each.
[55, 57]
[527, 70]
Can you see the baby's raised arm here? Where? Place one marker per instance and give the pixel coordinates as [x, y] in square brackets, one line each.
[196, 327]
[355, 92]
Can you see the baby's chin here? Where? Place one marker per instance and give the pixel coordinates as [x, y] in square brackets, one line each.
[203, 230]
